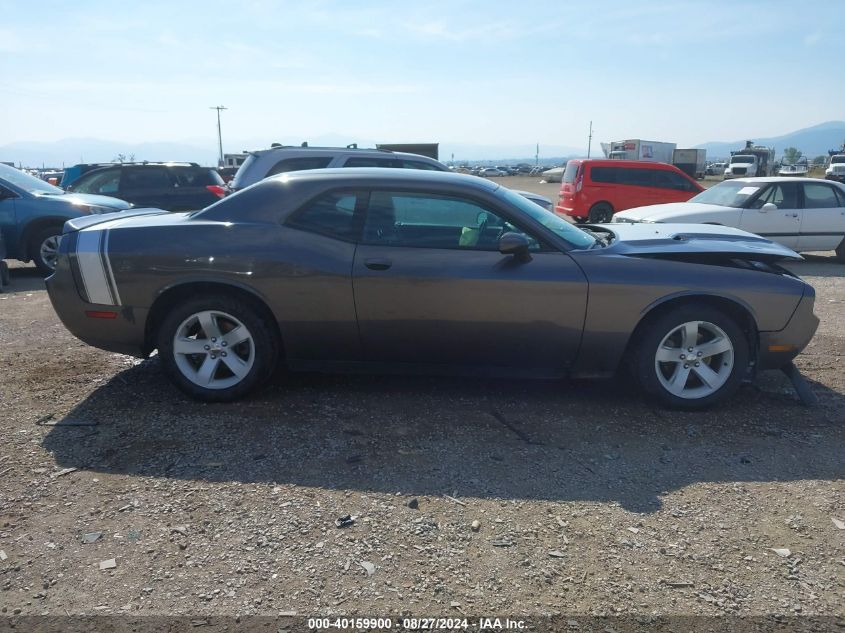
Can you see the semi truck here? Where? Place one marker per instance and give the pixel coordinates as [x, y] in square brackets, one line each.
[836, 168]
[690, 161]
[752, 160]
[639, 149]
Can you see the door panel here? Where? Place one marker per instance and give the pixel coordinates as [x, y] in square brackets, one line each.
[150, 186]
[420, 305]
[779, 225]
[9, 226]
[823, 221]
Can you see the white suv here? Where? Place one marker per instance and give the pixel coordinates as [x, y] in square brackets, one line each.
[280, 159]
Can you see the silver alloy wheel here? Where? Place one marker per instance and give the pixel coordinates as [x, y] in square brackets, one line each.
[49, 251]
[694, 360]
[213, 350]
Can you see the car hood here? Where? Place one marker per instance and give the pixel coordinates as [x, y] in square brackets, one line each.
[693, 240]
[88, 199]
[670, 211]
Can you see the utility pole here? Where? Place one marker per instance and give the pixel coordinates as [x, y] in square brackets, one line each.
[537, 155]
[219, 133]
[589, 140]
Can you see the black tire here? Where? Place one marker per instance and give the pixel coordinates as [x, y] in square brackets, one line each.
[5, 277]
[652, 335]
[264, 347]
[840, 252]
[601, 213]
[45, 267]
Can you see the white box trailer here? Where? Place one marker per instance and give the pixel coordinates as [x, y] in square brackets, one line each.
[639, 149]
[690, 161]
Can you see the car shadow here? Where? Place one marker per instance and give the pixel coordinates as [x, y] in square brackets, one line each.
[24, 279]
[555, 441]
[818, 265]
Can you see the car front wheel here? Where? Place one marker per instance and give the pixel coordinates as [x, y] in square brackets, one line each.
[217, 349]
[692, 357]
[44, 249]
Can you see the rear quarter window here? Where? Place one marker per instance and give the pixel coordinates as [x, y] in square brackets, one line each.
[570, 172]
[299, 164]
[364, 161]
[192, 177]
[331, 214]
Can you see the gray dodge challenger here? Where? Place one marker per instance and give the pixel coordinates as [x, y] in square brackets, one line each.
[420, 271]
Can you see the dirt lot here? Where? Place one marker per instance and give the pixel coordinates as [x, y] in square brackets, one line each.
[588, 499]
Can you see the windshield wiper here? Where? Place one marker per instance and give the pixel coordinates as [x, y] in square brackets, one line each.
[601, 239]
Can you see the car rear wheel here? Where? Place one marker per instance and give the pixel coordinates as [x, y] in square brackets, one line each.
[692, 357]
[600, 213]
[44, 249]
[217, 348]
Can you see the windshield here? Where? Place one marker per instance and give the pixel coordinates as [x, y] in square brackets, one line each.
[572, 234]
[742, 159]
[730, 193]
[837, 159]
[26, 182]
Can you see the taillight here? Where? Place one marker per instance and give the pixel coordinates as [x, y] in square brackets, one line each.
[579, 179]
[217, 190]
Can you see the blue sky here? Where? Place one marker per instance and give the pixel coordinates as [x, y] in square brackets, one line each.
[482, 73]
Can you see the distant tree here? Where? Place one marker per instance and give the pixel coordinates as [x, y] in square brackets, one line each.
[791, 155]
[819, 160]
[123, 158]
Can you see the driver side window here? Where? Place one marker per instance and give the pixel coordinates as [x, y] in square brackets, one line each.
[782, 195]
[433, 221]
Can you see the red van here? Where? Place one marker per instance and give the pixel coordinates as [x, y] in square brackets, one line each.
[594, 189]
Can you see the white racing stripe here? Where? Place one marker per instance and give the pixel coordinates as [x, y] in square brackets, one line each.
[94, 266]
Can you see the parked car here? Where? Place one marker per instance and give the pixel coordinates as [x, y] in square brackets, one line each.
[399, 268]
[32, 213]
[282, 159]
[491, 172]
[804, 214]
[169, 186]
[595, 189]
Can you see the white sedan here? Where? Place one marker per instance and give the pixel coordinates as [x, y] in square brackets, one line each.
[804, 214]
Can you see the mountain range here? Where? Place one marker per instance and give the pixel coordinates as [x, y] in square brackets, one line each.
[812, 141]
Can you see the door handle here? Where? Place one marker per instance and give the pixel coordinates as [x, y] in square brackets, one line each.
[378, 264]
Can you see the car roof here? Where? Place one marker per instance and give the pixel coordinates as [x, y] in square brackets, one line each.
[291, 149]
[768, 179]
[622, 163]
[366, 175]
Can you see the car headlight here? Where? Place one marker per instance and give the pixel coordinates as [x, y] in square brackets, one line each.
[98, 209]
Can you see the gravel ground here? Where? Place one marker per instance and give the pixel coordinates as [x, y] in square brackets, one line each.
[468, 496]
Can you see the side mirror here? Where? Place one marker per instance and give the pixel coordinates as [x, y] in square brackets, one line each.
[515, 244]
[769, 206]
